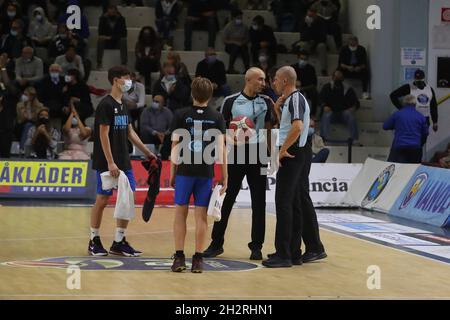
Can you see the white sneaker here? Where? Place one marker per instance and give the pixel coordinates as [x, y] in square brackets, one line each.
[365, 96]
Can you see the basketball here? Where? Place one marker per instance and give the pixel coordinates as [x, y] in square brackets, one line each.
[242, 129]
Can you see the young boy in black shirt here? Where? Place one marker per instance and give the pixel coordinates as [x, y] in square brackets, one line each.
[112, 132]
[192, 168]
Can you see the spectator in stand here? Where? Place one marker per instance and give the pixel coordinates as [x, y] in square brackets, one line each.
[269, 90]
[76, 136]
[134, 99]
[307, 80]
[328, 13]
[8, 102]
[40, 30]
[13, 42]
[256, 5]
[200, 14]
[13, 12]
[62, 40]
[70, 60]
[112, 34]
[236, 38]
[214, 70]
[50, 91]
[29, 68]
[426, 102]
[411, 132]
[83, 32]
[42, 138]
[353, 63]
[313, 38]
[148, 54]
[264, 62]
[320, 153]
[262, 39]
[76, 96]
[156, 120]
[181, 69]
[166, 12]
[176, 92]
[286, 13]
[27, 110]
[339, 103]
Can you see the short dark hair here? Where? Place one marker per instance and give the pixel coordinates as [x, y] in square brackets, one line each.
[76, 73]
[117, 72]
[259, 20]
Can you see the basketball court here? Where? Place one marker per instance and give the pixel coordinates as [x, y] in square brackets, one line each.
[40, 244]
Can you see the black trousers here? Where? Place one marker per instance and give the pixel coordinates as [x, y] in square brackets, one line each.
[235, 51]
[405, 155]
[310, 231]
[257, 185]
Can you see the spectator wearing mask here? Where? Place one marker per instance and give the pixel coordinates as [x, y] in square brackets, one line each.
[42, 138]
[70, 60]
[13, 42]
[262, 39]
[339, 103]
[50, 91]
[426, 102]
[148, 54]
[353, 63]
[166, 12]
[62, 40]
[134, 99]
[328, 13]
[411, 131]
[175, 92]
[236, 38]
[181, 69]
[76, 136]
[76, 96]
[201, 14]
[155, 126]
[112, 34]
[214, 70]
[29, 68]
[27, 110]
[313, 38]
[320, 152]
[40, 30]
[13, 12]
[286, 13]
[307, 79]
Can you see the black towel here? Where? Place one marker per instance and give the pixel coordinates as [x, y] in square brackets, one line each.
[153, 167]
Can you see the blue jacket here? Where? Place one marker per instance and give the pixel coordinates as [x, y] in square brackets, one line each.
[411, 128]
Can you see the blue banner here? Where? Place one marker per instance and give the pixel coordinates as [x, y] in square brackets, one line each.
[426, 197]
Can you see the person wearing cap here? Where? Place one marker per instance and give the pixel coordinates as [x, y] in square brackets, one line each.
[424, 94]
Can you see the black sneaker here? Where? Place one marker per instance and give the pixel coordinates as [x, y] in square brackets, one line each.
[256, 255]
[197, 265]
[313, 256]
[212, 252]
[277, 262]
[123, 248]
[95, 247]
[297, 261]
[179, 263]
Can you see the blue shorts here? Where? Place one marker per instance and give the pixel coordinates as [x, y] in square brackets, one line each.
[128, 173]
[200, 187]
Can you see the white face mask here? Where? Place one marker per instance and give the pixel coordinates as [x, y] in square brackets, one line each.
[12, 14]
[24, 98]
[263, 59]
[54, 75]
[302, 62]
[74, 122]
[309, 19]
[238, 21]
[126, 86]
[255, 27]
[353, 48]
[68, 78]
[14, 33]
[39, 17]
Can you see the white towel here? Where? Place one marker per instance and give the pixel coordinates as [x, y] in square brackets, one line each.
[215, 204]
[125, 198]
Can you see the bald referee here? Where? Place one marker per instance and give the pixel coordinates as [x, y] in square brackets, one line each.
[257, 107]
[293, 112]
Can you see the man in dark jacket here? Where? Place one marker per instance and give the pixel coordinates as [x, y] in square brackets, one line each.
[50, 91]
[263, 39]
[112, 34]
[411, 131]
[214, 70]
[353, 63]
[307, 79]
[339, 103]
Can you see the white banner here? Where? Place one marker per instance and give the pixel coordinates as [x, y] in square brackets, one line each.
[379, 184]
[328, 184]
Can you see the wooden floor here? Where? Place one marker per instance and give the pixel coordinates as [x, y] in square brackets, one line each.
[35, 233]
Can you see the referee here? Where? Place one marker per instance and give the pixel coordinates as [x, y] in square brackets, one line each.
[292, 110]
[257, 107]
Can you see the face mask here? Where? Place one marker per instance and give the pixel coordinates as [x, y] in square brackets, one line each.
[353, 48]
[27, 60]
[170, 77]
[74, 122]
[155, 105]
[211, 59]
[68, 79]
[39, 17]
[302, 63]
[126, 86]
[24, 98]
[255, 27]
[262, 59]
[42, 120]
[311, 131]
[54, 75]
[12, 14]
[238, 21]
[309, 20]
[14, 33]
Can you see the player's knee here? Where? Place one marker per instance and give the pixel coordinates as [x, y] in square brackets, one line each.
[102, 201]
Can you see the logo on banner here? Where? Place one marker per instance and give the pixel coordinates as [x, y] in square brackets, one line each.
[127, 264]
[378, 186]
[417, 185]
[445, 15]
